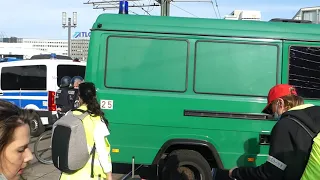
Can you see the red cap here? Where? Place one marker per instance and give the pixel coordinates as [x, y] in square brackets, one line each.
[279, 91]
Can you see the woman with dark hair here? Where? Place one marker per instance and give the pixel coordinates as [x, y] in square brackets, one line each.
[14, 139]
[96, 128]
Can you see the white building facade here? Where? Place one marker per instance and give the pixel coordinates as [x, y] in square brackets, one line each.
[79, 49]
[48, 46]
[309, 14]
[26, 48]
[30, 47]
[80, 45]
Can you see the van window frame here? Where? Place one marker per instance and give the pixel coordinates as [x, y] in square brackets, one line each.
[288, 65]
[251, 41]
[21, 73]
[147, 37]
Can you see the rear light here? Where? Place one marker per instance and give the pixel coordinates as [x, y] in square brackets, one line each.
[51, 101]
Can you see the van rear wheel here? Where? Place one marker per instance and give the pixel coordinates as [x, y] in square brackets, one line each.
[36, 127]
[186, 165]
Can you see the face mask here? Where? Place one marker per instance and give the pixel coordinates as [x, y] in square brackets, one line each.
[276, 115]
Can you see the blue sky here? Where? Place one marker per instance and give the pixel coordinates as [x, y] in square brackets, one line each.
[42, 18]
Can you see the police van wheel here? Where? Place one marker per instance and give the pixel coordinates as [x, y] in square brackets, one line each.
[36, 127]
[186, 165]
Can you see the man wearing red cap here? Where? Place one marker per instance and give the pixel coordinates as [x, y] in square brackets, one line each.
[290, 143]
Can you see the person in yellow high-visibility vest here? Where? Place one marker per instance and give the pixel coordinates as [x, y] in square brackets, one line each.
[96, 129]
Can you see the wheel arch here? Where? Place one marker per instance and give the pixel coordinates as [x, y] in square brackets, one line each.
[191, 144]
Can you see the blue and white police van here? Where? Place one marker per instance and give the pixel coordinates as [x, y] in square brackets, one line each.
[32, 84]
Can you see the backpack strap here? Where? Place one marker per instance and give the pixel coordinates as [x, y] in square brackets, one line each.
[93, 152]
[80, 110]
[83, 115]
[312, 135]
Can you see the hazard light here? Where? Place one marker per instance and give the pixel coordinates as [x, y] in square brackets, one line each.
[53, 56]
[123, 7]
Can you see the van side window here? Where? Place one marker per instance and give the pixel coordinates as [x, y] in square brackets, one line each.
[304, 71]
[157, 64]
[24, 77]
[235, 68]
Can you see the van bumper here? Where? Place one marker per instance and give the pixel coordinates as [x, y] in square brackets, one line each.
[48, 117]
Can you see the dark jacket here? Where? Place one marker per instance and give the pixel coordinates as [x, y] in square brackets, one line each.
[62, 99]
[73, 98]
[290, 147]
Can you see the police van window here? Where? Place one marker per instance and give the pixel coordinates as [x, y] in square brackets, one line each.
[69, 70]
[24, 78]
[304, 72]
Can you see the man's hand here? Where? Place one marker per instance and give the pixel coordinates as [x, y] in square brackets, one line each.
[109, 176]
[58, 109]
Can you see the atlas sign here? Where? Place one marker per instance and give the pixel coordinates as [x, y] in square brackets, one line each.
[78, 35]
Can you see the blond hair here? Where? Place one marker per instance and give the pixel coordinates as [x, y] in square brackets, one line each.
[291, 101]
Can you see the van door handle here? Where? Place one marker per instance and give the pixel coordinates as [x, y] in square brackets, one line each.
[264, 138]
[1, 93]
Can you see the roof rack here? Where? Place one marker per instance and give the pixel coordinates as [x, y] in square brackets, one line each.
[290, 21]
[49, 56]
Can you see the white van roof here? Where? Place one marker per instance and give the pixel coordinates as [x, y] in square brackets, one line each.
[42, 62]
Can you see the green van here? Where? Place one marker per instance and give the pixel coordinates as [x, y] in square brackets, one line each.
[186, 94]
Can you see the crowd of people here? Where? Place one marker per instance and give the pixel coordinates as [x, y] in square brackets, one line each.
[79, 97]
[292, 137]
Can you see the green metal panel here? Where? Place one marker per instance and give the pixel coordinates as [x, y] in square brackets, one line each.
[237, 63]
[140, 63]
[206, 26]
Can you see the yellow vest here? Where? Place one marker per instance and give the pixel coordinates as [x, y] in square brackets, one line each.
[85, 172]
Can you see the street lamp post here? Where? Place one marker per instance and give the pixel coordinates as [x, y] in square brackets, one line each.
[69, 26]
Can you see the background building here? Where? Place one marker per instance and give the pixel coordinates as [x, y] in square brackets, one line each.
[11, 40]
[79, 49]
[308, 13]
[25, 48]
[244, 15]
[48, 46]
[19, 50]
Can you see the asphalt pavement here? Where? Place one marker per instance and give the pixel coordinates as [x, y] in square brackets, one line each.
[39, 171]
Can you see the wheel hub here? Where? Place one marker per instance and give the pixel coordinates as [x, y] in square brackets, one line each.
[186, 173]
[34, 125]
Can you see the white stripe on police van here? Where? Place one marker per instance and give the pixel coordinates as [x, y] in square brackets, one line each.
[277, 163]
[25, 97]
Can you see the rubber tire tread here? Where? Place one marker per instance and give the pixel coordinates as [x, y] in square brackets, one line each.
[186, 156]
[41, 129]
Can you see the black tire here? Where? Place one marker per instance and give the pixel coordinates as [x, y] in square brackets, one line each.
[36, 127]
[37, 151]
[186, 165]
